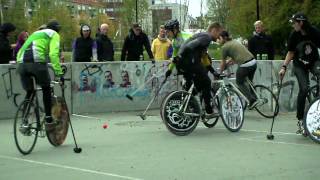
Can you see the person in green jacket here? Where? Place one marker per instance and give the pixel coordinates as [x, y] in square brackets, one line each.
[40, 48]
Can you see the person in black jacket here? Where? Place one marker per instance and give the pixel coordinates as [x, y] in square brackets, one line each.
[104, 45]
[132, 49]
[261, 45]
[302, 50]
[84, 47]
[6, 30]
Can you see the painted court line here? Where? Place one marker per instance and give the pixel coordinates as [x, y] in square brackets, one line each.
[83, 116]
[257, 131]
[70, 168]
[276, 142]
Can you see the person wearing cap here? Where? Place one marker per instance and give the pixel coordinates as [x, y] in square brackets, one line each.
[6, 30]
[104, 45]
[239, 54]
[302, 50]
[161, 45]
[132, 49]
[32, 61]
[84, 48]
[261, 45]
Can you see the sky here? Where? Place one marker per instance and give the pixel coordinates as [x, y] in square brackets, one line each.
[194, 6]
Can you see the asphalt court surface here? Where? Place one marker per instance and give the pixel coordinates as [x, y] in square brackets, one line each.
[131, 148]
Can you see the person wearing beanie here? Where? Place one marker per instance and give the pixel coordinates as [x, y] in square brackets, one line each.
[40, 48]
[6, 30]
[84, 47]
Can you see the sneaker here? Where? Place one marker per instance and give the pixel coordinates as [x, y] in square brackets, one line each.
[49, 123]
[253, 105]
[316, 133]
[212, 115]
[301, 129]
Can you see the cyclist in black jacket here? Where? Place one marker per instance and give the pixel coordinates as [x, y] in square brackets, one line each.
[302, 49]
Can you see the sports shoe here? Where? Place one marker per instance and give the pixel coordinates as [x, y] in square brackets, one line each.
[212, 115]
[253, 104]
[316, 132]
[301, 129]
[49, 123]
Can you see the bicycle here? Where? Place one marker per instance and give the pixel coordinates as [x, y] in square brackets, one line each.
[311, 121]
[181, 110]
[29, 121]
[267, 101]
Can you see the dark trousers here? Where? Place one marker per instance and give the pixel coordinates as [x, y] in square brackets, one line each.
[199, 76]
[302, 75]
[41, 74]
[241, 75]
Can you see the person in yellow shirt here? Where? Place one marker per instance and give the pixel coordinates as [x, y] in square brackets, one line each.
[160, 45]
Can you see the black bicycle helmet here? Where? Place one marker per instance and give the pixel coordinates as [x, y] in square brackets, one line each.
[54, 25]
[171, 25]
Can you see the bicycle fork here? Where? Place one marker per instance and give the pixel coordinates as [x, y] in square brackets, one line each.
[185, 102]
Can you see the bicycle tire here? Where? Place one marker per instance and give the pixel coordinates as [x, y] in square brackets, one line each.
[265, 94]
[30, 133]
[60, 114]
[161, 106]
[231, 110]
[312, 121]
[180, 125]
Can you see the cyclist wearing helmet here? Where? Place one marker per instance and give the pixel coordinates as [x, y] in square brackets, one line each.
[302, 49]
[32, 62]
[189, 63]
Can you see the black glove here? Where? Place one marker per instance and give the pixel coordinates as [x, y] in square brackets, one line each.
[168, 73]
[213, 72]
[59, 78]
[176, 59]
[153, 61]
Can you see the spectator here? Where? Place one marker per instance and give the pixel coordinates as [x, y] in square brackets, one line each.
[104, 45]
[261, 45]
[132, 49]
[6, 30]
[161, 45]
[21, 39]
[302, 51]
[84, 47]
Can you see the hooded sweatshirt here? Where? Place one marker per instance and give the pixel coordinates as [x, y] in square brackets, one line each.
[84, 49]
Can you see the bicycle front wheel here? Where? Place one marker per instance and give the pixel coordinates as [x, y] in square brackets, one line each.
[180, 123]
[231, 110]
[268, 105]
[312, 121]
[60, 114]
[25, 127]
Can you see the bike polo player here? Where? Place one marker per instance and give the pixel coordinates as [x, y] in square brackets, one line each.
[190, 64]
[32, 60]
[302, 49]
[239, 54]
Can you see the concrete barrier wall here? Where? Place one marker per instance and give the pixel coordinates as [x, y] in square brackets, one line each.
[102, 87]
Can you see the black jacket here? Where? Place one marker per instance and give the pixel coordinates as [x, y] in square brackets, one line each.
[104, 48]
[133, 47]
[5, 49]
[261, 44]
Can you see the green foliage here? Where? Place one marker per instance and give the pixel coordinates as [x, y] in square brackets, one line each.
[238, 16]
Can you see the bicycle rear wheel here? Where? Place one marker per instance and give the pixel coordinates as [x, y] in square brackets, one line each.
[312, 121]
[231, 110]
[25, 127]
[176, 122]
[268, 106]
[60, 114]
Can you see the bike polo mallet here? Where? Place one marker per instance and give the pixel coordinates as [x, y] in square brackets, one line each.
[129, 96]
[143, 115]
[270, 136]
[77, 149]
